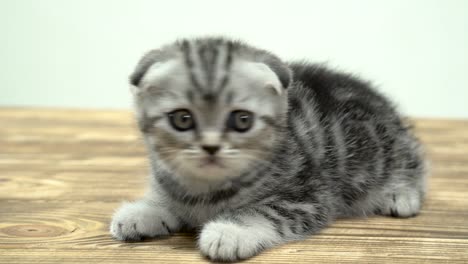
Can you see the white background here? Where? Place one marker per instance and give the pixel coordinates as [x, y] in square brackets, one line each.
[80, 53]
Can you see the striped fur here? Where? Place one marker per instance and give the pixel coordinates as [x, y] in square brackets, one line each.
[324, 145]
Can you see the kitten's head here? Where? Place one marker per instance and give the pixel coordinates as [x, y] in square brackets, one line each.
[210, 108]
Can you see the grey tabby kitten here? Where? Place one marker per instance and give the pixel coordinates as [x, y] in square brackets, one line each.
[256, 152]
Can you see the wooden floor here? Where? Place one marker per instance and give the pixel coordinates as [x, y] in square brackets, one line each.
[63, 172]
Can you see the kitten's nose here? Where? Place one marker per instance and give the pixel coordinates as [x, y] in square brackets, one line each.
[211, 149]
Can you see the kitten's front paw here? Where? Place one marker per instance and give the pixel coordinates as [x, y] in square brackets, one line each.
[137, 220]
[227, 241]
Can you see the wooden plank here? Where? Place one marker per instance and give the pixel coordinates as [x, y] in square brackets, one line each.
[63, 172]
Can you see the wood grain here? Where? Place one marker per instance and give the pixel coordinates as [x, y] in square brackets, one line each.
[63, 172]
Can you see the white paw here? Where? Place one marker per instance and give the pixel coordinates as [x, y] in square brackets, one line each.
[227, 241]
[134, 221]
[405, 204]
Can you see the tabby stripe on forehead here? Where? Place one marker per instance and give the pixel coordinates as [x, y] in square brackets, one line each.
[212, 69]
[227, 66]
[208, 55]
[186, 49]
[203, 54]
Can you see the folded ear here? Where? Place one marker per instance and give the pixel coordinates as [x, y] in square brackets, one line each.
[143, 65]
[276, 79]
[154, 59]
[282, 71]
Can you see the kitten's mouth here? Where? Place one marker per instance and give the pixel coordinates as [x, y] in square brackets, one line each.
[211, 162]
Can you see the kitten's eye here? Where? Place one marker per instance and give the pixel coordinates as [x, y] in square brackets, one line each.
[240, 120]
[181, 120]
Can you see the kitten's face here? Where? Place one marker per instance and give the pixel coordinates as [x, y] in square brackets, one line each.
[216, 133]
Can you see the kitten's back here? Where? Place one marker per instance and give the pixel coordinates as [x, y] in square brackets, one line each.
[359, 139]
[341, 94]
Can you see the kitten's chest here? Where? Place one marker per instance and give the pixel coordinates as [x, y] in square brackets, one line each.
[196, 215]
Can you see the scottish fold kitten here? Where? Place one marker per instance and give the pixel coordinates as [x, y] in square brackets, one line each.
[255, 152]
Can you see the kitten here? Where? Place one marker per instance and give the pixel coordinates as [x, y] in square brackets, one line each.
[257, 152]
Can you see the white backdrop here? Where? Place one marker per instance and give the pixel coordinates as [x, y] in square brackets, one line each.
[79, 53]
